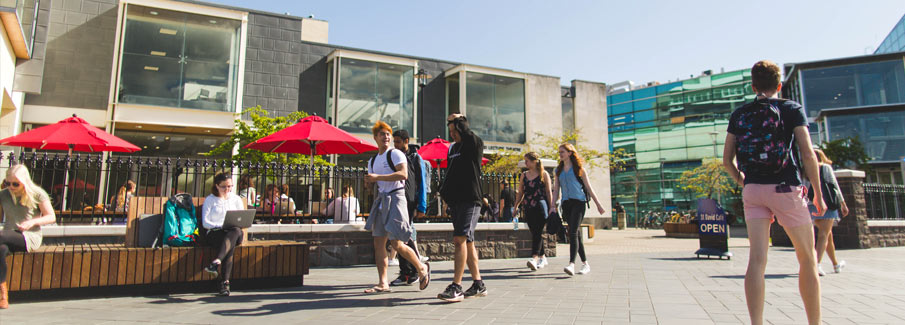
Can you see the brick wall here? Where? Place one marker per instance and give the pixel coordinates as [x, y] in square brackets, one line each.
[272, 63]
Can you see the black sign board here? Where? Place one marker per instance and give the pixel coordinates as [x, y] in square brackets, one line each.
[713, 230]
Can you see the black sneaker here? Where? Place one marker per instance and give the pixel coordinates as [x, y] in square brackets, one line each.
[212, 269]
[404, 280]
[224, 289]
[477, 290]
[453, 293]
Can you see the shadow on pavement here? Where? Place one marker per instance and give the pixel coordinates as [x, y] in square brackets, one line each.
[768, 276]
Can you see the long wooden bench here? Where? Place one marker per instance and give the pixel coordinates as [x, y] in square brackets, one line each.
[115, 269]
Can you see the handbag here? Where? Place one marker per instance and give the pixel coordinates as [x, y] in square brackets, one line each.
[554, 223]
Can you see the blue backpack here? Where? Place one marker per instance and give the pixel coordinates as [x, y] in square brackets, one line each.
[179, 223]
[762, 148]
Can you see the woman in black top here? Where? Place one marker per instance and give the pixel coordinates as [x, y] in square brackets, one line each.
[534, 190]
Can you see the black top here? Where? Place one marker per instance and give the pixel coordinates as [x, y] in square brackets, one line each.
[463, 176]
[793, 116]
[508, 198]
[535, 191]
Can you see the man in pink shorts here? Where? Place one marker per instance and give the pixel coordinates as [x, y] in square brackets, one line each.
[764, 136]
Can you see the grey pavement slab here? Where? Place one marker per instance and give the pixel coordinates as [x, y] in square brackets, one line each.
[637, 277]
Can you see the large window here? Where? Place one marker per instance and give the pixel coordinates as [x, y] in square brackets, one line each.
[883, 134]
[495, 106]
[177, 59]
[172, 144]
[868, 84]
[369, 91]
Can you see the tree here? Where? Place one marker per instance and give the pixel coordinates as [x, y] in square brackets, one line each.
[847, 153]
[708, 179]
[547, 146]
[262, 125]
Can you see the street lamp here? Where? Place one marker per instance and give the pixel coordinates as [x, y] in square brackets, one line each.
[422, 77]
[713, 135]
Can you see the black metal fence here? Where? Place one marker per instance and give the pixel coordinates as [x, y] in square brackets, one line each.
[884, 201]
[284, 193]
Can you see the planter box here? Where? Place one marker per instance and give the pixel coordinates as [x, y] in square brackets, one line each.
[681, 230]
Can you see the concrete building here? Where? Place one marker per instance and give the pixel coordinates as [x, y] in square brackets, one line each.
[171, 77]
[861, 97]
[19, 50]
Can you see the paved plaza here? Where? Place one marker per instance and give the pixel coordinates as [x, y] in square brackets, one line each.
[638, 277]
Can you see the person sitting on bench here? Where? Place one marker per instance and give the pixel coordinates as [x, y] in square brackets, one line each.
[213, 212]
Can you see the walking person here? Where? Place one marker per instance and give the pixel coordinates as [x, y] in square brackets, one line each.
[225, 240]
[26, 207]
[572, 181]
[534, 191]
[461, 189]
[389, 218]
[836, 209]
[507, 202]
[416, 202]
[764, 135]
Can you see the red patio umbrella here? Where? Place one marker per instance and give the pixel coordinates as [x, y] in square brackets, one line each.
[76, 184]
[435, 151]
[312, 135]
[72, 133]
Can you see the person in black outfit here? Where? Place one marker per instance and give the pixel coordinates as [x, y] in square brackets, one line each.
[534, 190]
[461, 190]
[507, 198]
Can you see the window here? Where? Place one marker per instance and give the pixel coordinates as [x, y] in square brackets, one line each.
[568, 112]
[177, 59]
[876, 83]
[172, 144]
[369, 91]
[494, 104]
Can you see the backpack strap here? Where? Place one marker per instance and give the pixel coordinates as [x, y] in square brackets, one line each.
[389, 159]
[587, 198]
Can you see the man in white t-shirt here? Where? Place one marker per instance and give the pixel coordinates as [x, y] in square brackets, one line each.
[389, 219]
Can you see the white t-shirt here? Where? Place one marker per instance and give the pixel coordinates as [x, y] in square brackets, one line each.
[213, 211]
[343, 210]
[381, 168]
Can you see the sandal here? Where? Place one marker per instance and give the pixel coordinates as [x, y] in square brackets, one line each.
[426, 278]
[376, 289]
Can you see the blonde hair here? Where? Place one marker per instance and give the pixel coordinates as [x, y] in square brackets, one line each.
[20, 172]
[577, 162]
[129, 187]
[822, 158]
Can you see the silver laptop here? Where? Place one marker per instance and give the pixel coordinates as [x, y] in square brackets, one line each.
[239, 218]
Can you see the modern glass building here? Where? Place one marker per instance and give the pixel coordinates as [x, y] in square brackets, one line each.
[860, 97]
[895, 41]
[671, 128]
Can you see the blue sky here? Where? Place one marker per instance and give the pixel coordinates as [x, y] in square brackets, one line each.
[601, 40]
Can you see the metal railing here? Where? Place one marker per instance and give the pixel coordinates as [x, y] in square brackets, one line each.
[884, 201]
[95, 192]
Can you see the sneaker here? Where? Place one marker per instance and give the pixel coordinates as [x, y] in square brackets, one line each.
[403, 280]
[532, 265]
[393, 262]
[820, 271]
[838, 267]
[453, 293]
[542, 263]
[570, 269]
[224, 289]
[477, 290]
[424, 259]
[212, 269]
[585, 269]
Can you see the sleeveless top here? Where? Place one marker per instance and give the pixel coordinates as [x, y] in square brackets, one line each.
[534, 191]
[570, 186]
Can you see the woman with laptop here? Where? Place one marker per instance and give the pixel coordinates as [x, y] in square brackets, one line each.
[224, 238]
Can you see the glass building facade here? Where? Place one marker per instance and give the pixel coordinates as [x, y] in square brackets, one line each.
[895, 41]
[671, 128]
[495, 104]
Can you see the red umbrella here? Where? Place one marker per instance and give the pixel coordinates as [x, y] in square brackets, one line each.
[311, 136]
[72, 133]
[76, 184]
[436, 151]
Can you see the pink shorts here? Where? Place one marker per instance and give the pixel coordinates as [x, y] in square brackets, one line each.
[762, 202]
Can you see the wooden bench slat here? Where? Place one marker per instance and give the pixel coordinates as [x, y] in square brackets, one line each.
[66, 276]
[104, 267]
[141, 266]
[57, 269]
[293, 262]
[123, 266]
[259, 261]
[37, 276]
[15, 271]
[157, 262]
[114, 267]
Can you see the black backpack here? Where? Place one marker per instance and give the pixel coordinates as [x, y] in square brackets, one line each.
[761, 147]
[414, 172]
[827, 188]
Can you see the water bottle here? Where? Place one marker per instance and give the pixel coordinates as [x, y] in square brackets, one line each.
[515, 223]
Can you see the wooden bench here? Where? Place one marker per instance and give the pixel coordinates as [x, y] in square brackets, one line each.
[115, 269]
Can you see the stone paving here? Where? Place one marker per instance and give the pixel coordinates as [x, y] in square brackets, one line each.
[638, 277]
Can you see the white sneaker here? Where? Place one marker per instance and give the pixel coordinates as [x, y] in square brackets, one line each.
[532, 265]
[542, 263]
[394, 262]
[585, 269]
[569, 269]
[425, 259]
[820, 271]
[838, 267]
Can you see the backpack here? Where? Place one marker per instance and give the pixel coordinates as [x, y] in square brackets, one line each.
[179, 223]
[761, 148]
[413, 161]
[827, 188]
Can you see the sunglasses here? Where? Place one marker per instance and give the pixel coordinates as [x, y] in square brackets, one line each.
[11, 184]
